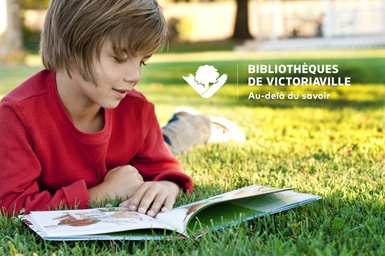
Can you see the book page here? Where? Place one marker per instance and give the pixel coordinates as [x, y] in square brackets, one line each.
[239, 193]
[235, 211]
[175, 218]
[276, 202]
[93, 221]
[247, 192]
[180, 216]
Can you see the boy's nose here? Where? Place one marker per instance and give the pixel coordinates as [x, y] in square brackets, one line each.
[132, 76]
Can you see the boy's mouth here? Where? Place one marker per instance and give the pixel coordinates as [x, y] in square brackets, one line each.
[121, 93]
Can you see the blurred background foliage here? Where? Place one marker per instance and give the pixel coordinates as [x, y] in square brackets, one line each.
[180, 29]
[43, 4]
[34, 4]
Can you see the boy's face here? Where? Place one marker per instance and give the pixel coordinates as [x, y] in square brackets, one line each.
[115, 77]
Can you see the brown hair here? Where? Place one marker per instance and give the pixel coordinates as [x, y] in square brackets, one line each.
[74, 31]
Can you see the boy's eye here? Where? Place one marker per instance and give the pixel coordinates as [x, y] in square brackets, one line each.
[143, 63]
[120, 60]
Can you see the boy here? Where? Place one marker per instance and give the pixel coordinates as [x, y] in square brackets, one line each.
[78, 132]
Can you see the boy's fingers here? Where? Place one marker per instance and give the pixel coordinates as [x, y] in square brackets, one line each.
[168, 204]
[152, 198]
[150, 194]
[125, 203]
[144, 197]
[137, 199]
[156, 205]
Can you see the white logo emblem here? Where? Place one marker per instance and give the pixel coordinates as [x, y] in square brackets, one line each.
[203, 77]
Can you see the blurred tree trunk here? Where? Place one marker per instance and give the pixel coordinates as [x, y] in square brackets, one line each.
[241, 27]
[11, 34]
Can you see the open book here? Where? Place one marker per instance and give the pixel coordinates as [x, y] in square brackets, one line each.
[189, 220]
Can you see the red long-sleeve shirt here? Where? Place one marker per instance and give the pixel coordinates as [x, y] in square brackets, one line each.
[45, 162]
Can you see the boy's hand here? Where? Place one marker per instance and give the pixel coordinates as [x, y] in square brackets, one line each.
[153, 196]
[122, 181]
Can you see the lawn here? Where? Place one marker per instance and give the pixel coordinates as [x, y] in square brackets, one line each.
[333, 148]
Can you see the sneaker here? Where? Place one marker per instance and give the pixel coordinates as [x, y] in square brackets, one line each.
[222, 130]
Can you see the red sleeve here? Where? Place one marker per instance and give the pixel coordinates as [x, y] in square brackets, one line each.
[155, 161]
[20, 170]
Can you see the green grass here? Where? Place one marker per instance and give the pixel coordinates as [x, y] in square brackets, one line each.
[333, 148]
